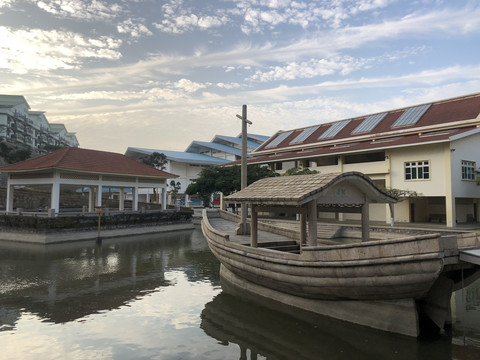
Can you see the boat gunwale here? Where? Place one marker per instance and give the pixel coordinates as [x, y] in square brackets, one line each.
[371, 243]
[275, 256]
[270, 255]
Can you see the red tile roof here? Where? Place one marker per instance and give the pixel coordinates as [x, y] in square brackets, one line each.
[441, 114]
[369, 145]
[90, 161]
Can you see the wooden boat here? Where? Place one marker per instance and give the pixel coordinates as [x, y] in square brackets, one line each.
[293, 264]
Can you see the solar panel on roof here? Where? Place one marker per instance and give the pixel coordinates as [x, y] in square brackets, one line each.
[279, 139]
[411, 115]
[334, 129]
[369, 123]
[304, 135]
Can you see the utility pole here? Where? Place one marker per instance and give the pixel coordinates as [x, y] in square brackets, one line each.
[244, 228]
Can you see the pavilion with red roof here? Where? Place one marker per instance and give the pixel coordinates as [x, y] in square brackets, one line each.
[85, 168]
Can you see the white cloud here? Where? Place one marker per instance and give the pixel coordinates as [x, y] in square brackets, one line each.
[189, 86]
[261, 15]
[35, 49]
[6, 3]
[312, 68]
[229, 86]
[80, 9]
[342, 65]
[179, 19]
[135, 30]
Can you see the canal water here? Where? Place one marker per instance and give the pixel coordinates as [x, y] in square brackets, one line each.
[160, 297]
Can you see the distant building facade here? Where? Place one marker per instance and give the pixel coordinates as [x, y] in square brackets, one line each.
[20, 125]
[199, 154]
[432, 149]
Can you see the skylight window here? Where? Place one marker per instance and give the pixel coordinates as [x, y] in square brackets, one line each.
[304, 135]
[411, 115]
[439, 132]
[369, 123]
[334, 129]
[279, 139]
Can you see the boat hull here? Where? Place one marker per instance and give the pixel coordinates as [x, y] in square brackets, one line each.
[377, 270]
[396, 316]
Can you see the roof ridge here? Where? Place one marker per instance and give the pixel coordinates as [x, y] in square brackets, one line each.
[456, 98]
[62, 156]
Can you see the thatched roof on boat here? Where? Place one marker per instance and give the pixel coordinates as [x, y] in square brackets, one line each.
[345, 189]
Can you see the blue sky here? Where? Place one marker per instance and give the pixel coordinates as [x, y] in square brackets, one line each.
[159, 74]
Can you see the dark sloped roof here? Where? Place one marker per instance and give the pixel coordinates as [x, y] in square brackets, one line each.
[85, 160]
[299, 189]
[440, 114]
[379, 144]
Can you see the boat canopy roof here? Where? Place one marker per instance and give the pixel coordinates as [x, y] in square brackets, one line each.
[334, 189]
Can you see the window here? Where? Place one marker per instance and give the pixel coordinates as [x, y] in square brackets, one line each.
[417, 170]
[468, 170]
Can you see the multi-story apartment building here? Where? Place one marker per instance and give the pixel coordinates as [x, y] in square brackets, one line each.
[432, 149]
[20, 125]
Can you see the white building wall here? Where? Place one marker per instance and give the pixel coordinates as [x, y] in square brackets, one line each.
[185, 171]
[434, 153]
[466, 192]
[465, 149]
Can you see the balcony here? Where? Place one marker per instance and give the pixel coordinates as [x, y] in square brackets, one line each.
[368, 168]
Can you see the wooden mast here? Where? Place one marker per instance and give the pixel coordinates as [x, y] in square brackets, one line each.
[244, 228]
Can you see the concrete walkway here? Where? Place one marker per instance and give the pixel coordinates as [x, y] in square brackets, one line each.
[54, 237]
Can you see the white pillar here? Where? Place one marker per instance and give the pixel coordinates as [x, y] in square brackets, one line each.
[98, 201]
[91, 199]
[10, 193]
[450, 210]
[451, 215]
[164, 199]
[135, 198]
[55, 196]
[121, 199]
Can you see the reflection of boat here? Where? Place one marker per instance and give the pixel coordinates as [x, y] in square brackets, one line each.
[387, 276]
[257, 329]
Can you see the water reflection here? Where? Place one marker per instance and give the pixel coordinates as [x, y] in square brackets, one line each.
[151, 298]
[261, 332]
[66, 282]
[467, 316]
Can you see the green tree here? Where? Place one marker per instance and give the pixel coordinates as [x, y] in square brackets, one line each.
[225, 179]
[297, 171]
[51, 148]
[156, 160]
[12, 155]
[175, 186]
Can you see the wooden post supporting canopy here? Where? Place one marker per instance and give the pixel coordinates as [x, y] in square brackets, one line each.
[312, 223]
[392, 215]
[303, 229]
[254, 226]
[365, 221]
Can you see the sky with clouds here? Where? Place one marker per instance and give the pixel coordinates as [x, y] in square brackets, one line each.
[160, 74]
